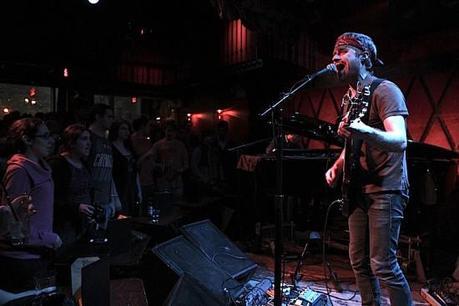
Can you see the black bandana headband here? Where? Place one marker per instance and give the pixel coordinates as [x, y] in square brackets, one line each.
[361, 42]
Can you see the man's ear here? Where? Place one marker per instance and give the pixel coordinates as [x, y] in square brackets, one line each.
[27, 140]
[365, 60]
[364, 57]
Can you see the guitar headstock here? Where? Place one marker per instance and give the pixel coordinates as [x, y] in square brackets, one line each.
[358, 106]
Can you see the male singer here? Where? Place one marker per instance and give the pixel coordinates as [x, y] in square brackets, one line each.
[375, 215]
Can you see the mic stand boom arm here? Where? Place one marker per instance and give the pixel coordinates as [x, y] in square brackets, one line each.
[295, 88]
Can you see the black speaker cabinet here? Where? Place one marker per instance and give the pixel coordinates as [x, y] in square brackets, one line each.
[180, 255]
[95, 284]
[219, 249]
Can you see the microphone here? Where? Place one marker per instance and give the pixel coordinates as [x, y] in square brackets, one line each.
[328, 69]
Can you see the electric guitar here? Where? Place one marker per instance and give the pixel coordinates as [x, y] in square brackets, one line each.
[357, 108]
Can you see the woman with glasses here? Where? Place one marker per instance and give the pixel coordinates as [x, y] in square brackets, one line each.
[28, 173]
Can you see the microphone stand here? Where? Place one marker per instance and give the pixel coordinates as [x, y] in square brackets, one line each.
[279, 136]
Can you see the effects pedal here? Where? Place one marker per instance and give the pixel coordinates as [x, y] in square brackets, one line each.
[309, 297]
[258, 295]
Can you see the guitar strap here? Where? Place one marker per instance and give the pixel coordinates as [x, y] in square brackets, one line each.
[356, 145]
[368, 98]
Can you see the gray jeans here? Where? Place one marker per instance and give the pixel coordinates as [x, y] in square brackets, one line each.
[374, 227]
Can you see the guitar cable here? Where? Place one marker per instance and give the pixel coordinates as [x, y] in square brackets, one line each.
[325, 263]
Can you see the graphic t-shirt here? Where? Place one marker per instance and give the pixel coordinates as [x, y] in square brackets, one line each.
[101, 165]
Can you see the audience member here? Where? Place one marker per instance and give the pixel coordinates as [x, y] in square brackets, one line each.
[170, 158]
[291, 141]
[140, 138]
[206, 166]
[125, 172]
[72, 199]
[28, 173]
[143, 142]
[219, 145]
[100, 161]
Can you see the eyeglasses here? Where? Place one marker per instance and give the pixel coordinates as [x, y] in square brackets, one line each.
[44, 136]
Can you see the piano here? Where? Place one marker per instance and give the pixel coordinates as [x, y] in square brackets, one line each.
[431, 170]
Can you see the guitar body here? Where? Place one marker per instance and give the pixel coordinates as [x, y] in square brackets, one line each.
[350, 187]
[358, 108]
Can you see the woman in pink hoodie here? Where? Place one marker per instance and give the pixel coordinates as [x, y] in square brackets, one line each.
[28, 173]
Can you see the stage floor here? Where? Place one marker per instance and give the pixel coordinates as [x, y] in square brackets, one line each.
[312, 273]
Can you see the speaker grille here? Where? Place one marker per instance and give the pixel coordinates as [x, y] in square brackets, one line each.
[182, 257]
[219, 249]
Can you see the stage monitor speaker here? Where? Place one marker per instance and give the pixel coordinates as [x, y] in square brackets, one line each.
[219, 249]
[188, 292]
[182, 257]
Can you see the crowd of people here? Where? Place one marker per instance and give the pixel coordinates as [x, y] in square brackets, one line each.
[59, 179]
